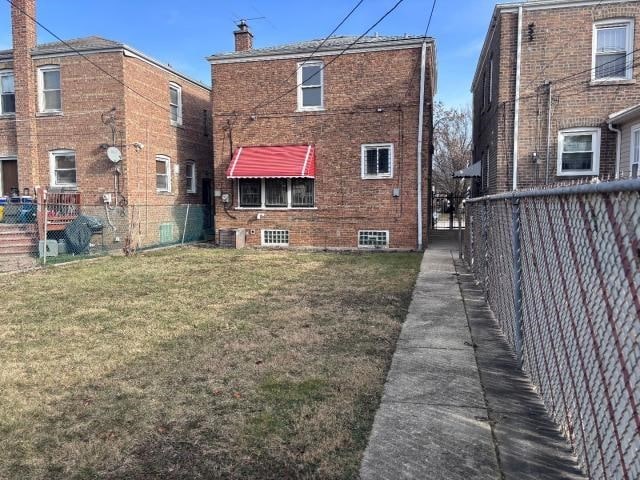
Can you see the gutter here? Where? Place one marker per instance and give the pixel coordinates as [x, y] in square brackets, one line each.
[618, 147]
[420, 137]
[516, 114]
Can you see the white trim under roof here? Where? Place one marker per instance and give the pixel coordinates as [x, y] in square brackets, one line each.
[531, 5]
[623, 115]
[257, 55]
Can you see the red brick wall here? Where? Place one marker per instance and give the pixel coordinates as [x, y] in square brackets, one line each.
[561, 46]
[356, 86]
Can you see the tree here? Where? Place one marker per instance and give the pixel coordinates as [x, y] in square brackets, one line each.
[453, 148]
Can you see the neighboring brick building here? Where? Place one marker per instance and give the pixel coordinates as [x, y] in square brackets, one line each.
[577, 67]
[62, 110]
[323, 151]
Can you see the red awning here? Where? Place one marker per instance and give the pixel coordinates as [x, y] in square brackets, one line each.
[289, 161]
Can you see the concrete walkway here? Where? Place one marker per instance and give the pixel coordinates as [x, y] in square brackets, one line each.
[455, 405]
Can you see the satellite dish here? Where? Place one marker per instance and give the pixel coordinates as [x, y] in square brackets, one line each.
[114, 154]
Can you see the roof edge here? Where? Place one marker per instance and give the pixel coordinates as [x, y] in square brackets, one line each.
[258, 55]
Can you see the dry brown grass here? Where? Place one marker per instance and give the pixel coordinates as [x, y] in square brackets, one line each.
[198, 363]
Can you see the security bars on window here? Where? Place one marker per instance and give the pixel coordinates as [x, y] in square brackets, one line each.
[373, 239]
[275, 237]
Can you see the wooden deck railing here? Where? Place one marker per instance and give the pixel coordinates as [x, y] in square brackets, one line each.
[61, 209]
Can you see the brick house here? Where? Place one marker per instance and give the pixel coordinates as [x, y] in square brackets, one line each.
[550, 75]
[61, 110]
[317, 149]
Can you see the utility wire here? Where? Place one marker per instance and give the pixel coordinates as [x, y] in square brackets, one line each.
[326, 39]
[96, 65]
[269, 102]
[424, 38]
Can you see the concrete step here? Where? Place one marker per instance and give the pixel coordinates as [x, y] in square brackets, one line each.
[18, 249]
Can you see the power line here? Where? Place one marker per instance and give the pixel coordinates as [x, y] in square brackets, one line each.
[326, 38]
[324, 66]
[426, 34]
[85, 57]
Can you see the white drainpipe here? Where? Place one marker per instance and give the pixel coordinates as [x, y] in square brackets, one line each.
[516, 115]
[420, 136]
[618, 147]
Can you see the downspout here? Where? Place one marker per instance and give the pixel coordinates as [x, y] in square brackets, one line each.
[516, 114]
[549, 100]
[420, 137]
[618, 147]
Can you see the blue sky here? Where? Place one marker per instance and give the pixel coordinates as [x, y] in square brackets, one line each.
[182, 34]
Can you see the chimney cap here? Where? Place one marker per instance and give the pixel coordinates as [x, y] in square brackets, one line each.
[243, 26]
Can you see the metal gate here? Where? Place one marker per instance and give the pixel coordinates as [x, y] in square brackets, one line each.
[447, 211]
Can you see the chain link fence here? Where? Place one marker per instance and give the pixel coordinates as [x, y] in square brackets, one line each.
[60, 227]
[560, 269]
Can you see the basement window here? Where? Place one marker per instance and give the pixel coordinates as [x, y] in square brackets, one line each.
[377, 161]
[7, 93]
[579, 152]
[373, 239]
[275, 238]
[613, 50]
[49, 89]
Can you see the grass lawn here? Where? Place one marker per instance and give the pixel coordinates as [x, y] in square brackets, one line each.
[198, 363]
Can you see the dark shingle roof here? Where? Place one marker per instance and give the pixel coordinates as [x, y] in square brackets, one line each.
[86, 44]
[333, 43]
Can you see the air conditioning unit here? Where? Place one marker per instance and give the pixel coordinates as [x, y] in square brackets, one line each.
[232, 238]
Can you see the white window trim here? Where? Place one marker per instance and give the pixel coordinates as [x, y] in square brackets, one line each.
[262, 232]
[178, 89]
[626, 22]
[41, 70]
[263, 195]
[167, 160]
[363, 161]
[191, 163]
[6, 73]
[52, 168]
[375, 247]
[634, 128]
[595, 164]
[302, 108]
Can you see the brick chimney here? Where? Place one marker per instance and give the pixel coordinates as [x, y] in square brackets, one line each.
[24, 40]
[244, 37]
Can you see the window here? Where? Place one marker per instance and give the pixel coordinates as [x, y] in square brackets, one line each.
[163, 174]
[275, 237]
[377, 161]
[579, 151]
[310, 81]
[49, 89]
[8, 93]
[612, 50]
[63, 168]
[276, 193]
[175, 104]
[635, 151]
[373, 238]
[190, 175]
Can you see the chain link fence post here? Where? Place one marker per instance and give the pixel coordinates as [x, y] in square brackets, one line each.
[517, 277]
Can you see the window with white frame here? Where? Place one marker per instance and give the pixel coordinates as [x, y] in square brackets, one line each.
[579, 151]
[310, 86]
[7, 93]
[278, 238]
[190, 176]
[377, 160]
[175, 104]
[62, 165]
[635, 151]
[373, 238]
[163, 173]
[276, 193]
[612, 50]
[49, 89]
